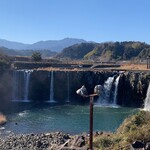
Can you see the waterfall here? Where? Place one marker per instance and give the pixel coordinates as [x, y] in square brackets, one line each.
[116, 90]
[147, 100]
[68, 88]
[51, 97]
[27, 74]
[106, 92]
[21, 79]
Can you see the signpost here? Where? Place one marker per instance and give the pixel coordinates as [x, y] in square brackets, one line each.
[83, 92]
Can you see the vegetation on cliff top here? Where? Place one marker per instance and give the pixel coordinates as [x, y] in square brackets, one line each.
[106, 51]
[5, 62]
[136, 127]
[36, 56]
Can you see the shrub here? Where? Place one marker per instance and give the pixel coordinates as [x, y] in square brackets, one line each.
[103, 141]
[36, 56]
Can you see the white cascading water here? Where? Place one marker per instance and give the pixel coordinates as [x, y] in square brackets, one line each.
[105, 97]
[147, 100]
[116, 90]
[51, 97]
[21, 89]
[68, 88]
[27, 74]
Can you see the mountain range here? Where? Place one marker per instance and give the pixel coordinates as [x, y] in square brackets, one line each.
[53, 45]
[70, 48]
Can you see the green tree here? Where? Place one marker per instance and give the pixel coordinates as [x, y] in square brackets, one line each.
[5, 62]
[36, 56]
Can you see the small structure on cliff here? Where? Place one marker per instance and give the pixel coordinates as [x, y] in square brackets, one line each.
[148, 62]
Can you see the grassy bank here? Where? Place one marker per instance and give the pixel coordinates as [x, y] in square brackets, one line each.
[136, 127]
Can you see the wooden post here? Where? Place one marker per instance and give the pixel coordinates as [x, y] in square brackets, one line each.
[147, 62]
[91, 123]
[91, 120]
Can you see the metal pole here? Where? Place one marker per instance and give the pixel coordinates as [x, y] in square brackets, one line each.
[147, 63]
[91, 123]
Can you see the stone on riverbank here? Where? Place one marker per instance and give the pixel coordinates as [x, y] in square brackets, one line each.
[3, 119]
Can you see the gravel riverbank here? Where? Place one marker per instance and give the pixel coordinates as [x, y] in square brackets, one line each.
[44, 141]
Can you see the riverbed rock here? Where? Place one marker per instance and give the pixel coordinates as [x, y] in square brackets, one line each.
[78, 141]
[138, 145]
[147, 146]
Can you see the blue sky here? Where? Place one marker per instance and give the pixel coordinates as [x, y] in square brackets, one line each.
[29, 21]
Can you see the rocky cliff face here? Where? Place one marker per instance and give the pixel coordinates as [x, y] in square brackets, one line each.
[132, 88]
[65, 84]
[61, 86]
[5, 89]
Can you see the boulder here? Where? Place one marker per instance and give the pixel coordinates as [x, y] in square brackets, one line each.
[138, 145]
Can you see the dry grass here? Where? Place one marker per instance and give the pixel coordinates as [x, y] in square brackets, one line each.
[3, 119]
[134, 67]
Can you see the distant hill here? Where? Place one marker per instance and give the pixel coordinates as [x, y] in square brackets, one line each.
[12, 45]
[77, 51]
[106, 51]
[11, 52]
[53, 45]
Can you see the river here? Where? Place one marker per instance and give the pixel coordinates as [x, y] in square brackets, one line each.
[73, 119]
